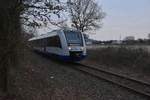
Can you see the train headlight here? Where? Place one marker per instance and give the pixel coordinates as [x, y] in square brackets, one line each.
[69, 48]
[82, 48]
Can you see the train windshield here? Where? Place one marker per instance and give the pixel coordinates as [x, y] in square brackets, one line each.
[73, 37]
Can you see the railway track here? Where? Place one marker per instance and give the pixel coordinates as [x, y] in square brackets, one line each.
[137, 86]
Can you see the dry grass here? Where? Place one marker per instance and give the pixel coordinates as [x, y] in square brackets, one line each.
[135, 59]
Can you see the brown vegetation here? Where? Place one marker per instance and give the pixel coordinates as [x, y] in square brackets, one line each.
[122, 58]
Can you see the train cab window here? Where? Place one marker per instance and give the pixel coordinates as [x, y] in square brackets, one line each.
[73, 37]
[54, 41]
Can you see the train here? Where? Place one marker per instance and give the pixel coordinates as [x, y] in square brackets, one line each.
[63, 44]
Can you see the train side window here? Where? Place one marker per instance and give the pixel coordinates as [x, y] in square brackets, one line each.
[38, 43]
[54, 41]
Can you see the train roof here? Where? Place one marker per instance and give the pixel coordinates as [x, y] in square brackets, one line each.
[49, 34]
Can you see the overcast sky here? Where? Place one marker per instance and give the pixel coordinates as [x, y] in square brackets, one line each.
[124, 18]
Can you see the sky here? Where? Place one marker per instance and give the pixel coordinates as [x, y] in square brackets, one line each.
[123, 18]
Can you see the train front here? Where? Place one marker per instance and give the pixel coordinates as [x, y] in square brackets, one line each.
[76, 45]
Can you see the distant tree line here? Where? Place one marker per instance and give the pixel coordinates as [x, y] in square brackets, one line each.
[124, 42]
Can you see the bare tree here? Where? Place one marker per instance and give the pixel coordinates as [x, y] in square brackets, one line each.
[13, 13]
[38, 12]
[85, 14]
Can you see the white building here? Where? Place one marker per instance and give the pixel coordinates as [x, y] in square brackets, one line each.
[149, 36]
[129, 38]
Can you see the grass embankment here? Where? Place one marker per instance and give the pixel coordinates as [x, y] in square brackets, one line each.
[122, 58]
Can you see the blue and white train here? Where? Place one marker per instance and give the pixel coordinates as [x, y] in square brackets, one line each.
[65, 44]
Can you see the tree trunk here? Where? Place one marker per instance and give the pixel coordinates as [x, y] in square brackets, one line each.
[9, 39]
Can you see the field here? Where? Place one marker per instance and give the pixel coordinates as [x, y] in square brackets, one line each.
[129, 60]
[145, 47]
